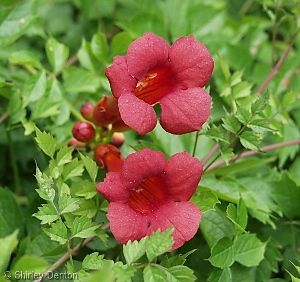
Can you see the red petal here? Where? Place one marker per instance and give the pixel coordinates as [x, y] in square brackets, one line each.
[145, 53]
[119, 78]
[112, 188]
[137, 114]
[141, 165]
[185, 110]
[125, 223]
[191, 61]
[185, 216]
[182, 175]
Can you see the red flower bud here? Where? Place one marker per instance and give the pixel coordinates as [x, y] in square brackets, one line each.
[108, 157]
[118, 139]
[106, 111]
[83, 131]
[87, 111]
[74, 142]
[120, 126]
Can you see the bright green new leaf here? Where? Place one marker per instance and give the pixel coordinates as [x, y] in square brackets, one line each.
[8, 244]
[231, 123]
[260, 103]
[86, 208]
[154, 274]
[47, 213]
[45, 190]
[67, 204]
[25, 58]
[34, 88]
[120, 43]
[90, 166]
[123, 273]
[72, 169]
[104, 274]
[28, 125]
[250, 140]
[159, 243]
[57, 54]
[64, 155]
[236, 78]
[86, 56]
[241, 90]
[46, 142]
[99, 46]
[218, 133]
[205, 200]
[222, 253]
[225, 68]
[88, 190]
[260, 126]
[243, 115]
[92, 261]
[83, 227]
[249, 250]
[29, 264]
[134, 250]
[57, 232]
[180, 273]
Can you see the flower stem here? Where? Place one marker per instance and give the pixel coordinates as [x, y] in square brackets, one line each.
[195, 144]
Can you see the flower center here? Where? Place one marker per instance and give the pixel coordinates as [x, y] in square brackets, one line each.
[148, 195]
[157, 83]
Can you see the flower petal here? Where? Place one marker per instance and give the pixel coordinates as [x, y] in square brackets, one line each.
[137, 114]
[119, 78]
[182, 175]
[145, 53]
[185, 216]
[125, 223]
[141, 165]
[191, 61]
[112, 188]
[185, 111]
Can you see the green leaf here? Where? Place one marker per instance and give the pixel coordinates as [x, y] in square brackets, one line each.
[92, 261]
[120, 43]
[67, 204]
[57, 232]
[222, 253]
[159, 243]
[15, 20]
[28, 125]
[154, 274]
[180, 273]
[249, 250]
[57, 54]
[25, 58]
[260, 126]
[238, 215]
[47, 213]
[90, 166]
[64, 155]
[104, 274]
[221, 275]
[46, 142]
[43, 108]
[45, 190]
[289, 98]
[243, 115]
[15, 108]
[88, 190]
[250, 140]
[34, 88]
[175, 260]
[86, 208]
[236, 78]
[83, 227]
[262, 101]
[86, 57]
[218, 133]
[225, 68]
[205, 200]
[8, 244]
[72, 169]
[99, 46]
[231, 123]
[134, 250]
[241, 90]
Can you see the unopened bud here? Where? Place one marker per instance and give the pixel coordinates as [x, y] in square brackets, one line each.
[106, 111]
[74, 142]
[83, 131]
[117, 139]
[87, 111]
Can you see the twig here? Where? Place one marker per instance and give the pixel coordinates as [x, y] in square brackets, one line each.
[251, 153]
[277, 67]
[66, 256]
[210, 153]
[4, 117]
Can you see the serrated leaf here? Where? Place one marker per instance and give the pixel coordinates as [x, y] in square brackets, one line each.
[260, 103]
[227, 155]
[46, 142]
[180, 273]
[260, 126]
[222, 253]
[241, 90]
[99, 46]
[243, 115]
[57, 54]
[64, 155]
[123, 273]
[57, 232]
[86, 208]
[154, 274]
[67, 204]
[159, 243]
[83, 227]
[225, 68]
[45, 183]
[88, 190]
[92, 261]
[250, 140]
[175, 260]
[28, 126]
[236, 78]
[238, 215]
[47, 213]
[134, 250]
[90, 166]
[249, 250]
[289, 98]
[8, 244]
[218, 133]
[205, 200]
[231, 123]
[72, 169]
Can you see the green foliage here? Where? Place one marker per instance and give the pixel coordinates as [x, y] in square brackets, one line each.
[53, 59]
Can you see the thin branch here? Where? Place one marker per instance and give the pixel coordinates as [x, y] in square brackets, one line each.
[277, 67]
[66, 256]
[251, 153]
[210, 153]
[4, 117]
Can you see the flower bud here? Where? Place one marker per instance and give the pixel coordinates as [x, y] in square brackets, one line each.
[106, 111]
[108, 157]
[87, 111]
[118, 138]
[74, 142]
[83, 131]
